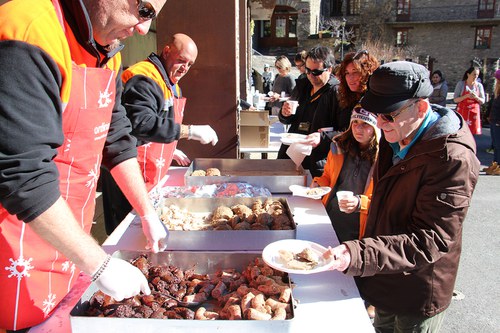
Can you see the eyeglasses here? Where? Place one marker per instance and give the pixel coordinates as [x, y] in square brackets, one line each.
[390, 118]
[359, 54]
[316, 72]
[299, 65]
[146, 10]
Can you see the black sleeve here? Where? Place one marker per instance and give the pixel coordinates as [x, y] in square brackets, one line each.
[30, 129]
[145, 104]
[244, 104]
[120, 144]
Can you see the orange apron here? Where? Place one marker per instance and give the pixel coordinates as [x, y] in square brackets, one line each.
[155, 158]
[33, 275]
[470, 109]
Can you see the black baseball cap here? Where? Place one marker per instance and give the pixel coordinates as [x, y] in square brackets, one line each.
[394, 83]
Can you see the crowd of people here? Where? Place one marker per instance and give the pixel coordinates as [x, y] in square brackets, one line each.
[382, 132]
[399, 231]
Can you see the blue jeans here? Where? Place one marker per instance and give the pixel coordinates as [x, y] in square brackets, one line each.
[386, 322]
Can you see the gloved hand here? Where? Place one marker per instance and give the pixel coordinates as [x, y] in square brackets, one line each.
[122, 280]
[181, 158]
[203, 133]
[155, 231]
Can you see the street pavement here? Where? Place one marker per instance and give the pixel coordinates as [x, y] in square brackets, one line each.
[476, 308]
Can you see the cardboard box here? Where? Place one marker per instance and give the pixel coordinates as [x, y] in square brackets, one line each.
[254, 118]
[254, 129]
[254, 136]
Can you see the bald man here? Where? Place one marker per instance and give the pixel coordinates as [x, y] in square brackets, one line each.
[155, 107]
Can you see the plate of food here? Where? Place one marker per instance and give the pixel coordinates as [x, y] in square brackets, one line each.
[309, 192]
[289, 138]
[296, 256]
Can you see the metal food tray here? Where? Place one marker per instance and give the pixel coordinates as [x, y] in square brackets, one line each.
[275, 175]
[224, 240]
[206, 262]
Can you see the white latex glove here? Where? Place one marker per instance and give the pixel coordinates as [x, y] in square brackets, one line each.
[181, 158]
[155, 231]
[122, 280]
[203, 133]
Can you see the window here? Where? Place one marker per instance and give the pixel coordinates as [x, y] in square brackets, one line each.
[353, 7]
[266, 29]
[402, 37]
[292, 27]
[483, 37]
[402, 10]
[280, 27]
[486, 9]
[336, 8]
[280, 31]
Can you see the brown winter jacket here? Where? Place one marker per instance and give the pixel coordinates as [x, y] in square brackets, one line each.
[408, 261]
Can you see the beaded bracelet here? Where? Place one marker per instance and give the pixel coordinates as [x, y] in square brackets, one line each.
[101, 269]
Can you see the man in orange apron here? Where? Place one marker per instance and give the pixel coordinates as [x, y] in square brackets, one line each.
[155, 106]
[59, 79]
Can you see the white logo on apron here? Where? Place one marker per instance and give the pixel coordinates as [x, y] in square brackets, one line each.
[20, 268]
[104, 99]
[49, 303]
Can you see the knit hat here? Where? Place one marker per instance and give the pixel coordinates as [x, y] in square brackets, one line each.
[497, 74]
[393, 84]
[358, 113]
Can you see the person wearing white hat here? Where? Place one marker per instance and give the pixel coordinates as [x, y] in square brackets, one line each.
[349, 167]
[407, 262]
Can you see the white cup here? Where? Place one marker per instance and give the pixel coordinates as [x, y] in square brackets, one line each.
[283, 94]
[293, 106]
[343, 195]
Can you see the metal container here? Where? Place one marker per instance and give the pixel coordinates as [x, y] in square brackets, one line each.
[206, 262]
[224, 240]
[275, 175]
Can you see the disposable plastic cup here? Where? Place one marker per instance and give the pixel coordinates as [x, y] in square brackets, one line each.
[343, 195]
[293, 106]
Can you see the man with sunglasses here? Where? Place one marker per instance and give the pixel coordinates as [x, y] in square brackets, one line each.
[316, 98]
[60, 70]
[407, 263]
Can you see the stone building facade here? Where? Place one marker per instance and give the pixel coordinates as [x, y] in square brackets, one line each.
[448, 35]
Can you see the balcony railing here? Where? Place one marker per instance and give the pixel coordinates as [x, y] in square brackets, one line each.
[445, 13]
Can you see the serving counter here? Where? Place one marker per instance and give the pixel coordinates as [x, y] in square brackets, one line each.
[327, 301]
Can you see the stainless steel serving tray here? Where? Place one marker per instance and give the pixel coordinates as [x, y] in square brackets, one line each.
[206, 262]
[275, 175]
[224, 240]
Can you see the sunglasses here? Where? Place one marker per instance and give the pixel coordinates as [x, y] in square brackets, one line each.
[359, 54]
[146, 10]
[316, 72]
[390, 118]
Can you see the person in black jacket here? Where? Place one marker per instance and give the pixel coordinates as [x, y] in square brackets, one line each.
[318, 88]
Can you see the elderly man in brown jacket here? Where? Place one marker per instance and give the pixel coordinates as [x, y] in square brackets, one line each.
[406, 265]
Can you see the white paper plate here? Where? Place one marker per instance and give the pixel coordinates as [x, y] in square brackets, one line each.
[289, 138]
[271, 256]
[308, 192]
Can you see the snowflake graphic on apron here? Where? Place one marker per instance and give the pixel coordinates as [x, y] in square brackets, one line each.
[20, 268]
